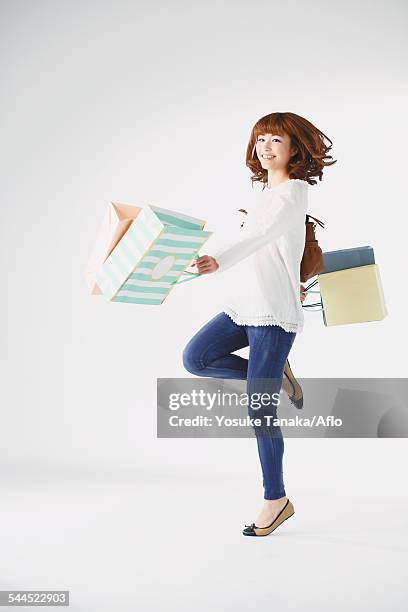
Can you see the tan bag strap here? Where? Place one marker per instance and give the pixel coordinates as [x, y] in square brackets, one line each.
[307, 218]
[317, 220]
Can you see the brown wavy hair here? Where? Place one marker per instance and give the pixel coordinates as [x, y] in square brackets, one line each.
[311, 156]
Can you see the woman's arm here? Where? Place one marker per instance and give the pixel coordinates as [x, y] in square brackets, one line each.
[284, 214]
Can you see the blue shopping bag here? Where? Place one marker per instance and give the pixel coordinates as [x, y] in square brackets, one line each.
[347, 258]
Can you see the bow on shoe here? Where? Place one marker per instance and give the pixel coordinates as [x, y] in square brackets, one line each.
[252, 525]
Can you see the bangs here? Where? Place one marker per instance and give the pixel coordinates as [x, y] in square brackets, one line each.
[271, 124]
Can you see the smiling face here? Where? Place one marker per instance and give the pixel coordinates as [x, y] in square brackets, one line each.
[274, 152]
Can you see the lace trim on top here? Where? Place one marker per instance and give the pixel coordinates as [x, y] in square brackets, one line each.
[259, 320]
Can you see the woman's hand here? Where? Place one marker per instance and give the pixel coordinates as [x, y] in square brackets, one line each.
[302, 295]
[206, 264]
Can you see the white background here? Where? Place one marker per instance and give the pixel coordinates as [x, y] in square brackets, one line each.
[153, 102]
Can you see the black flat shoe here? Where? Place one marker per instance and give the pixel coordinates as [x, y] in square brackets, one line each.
[297, 397]
[286, 512]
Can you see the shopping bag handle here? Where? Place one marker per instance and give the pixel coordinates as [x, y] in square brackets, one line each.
[309, 290]
[191, 276]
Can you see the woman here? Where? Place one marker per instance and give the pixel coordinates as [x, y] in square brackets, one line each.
[263, 310]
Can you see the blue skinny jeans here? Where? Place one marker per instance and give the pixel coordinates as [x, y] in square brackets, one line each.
[210, 353]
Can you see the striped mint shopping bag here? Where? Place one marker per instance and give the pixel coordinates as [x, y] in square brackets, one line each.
[152, 255]
[116, 221]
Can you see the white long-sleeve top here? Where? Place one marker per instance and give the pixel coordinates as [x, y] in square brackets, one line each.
[262, 269]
